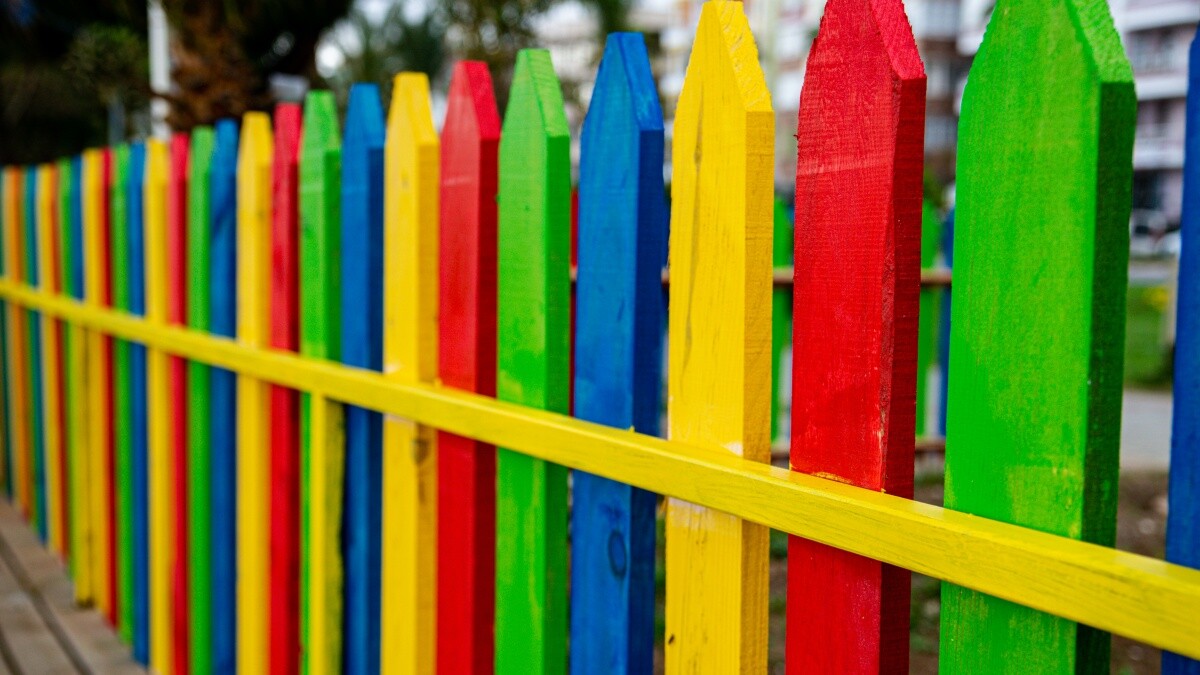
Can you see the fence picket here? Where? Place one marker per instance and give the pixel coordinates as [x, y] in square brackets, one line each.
[410, 334]
[255, 155]
[322, 467]
[466, 583]
[1183, 512]
[77, 364]
[47, 226]
[135, 257]
[618, 348]
[719, 380]
[221, 277]
[284, 580]
[16, 343]
[176, 315]
[122, 422]
[1036, 336]
[858, 178]
[62, 282]
[533, 362]
[362, 337]
[7, 386]
[37, 450]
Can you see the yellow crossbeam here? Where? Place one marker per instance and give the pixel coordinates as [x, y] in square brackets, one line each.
[1141, 598]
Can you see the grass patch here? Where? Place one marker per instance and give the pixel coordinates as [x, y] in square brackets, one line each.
[1147, 360]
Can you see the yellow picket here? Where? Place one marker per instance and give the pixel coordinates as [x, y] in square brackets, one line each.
[47, 206]
[98, 422]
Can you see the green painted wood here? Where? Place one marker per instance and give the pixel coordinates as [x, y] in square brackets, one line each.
[199, 425]
[783, 247]
[1037, 330]
[122, 395]
[533, 368]
[929, 313]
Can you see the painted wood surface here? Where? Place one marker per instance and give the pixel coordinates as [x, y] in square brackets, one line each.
[176, 315]
[18, 391]
[929, 316]
[533, 362]
[48, 279]
[466, 585]
[284, 606]
[61, 265]
[78, 343]
[158, 407]
[322, 464]
[222, 320]
[410, 342]
[7, 387]
[199, 460]
[1183, 513]
[122, 394]
[254, 221]
[1037, 331]
[36, 478]
[719, 384]
[138, 597]
[618, 357]
[361, 337]
[858, 207]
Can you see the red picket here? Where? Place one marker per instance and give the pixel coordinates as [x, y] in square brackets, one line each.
[177, 219]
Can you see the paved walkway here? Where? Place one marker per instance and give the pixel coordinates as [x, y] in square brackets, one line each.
[1146, 430]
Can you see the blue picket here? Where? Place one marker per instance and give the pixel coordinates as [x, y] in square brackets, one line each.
[223, 394]
[34, 323]
[362, 346]
[139, 434]
[618, 342]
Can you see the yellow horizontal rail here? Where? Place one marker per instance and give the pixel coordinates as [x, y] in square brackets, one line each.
[1135, 596]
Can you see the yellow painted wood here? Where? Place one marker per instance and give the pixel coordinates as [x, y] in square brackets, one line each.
[1139, 597]
[253, 456]
[47, 205]
[17, 358]
[719, 379]
[410, 336]
[324, 611]
[98, 422]
[161, 469]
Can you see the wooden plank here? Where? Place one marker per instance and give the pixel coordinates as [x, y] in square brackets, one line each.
[361, 336]
[222, 320]
[60, 236]
[284, 605]
[410, 334]
[323, 451]
[79, 393]
[122, 422]
[858, 208]
[1147, 600]
[254, 215]
[929, 315]
[533, 362]
[18, 356]
[6, 385]
[24, 635]
[1183, 514]
[466, 584]
[618, 357]
[1037, 331]
[199, 460]
[176, 315]
[47, 254]
[159, 449]
[36, 477]
[719, 384]
[139, 594]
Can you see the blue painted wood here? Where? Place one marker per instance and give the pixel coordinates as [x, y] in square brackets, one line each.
[1183, 519]
[34, 322]
[139, 432]
[75, 250]
[618, 343]
[223, 395]
[944, 327]
[362, 346]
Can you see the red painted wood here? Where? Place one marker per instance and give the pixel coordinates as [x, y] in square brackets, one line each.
[284, 555]
[177, 219]
[109, 442]
[858, 208]
[467, 360]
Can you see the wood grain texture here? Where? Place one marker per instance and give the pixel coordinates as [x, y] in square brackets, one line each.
[858, 208]
[719, 380]
[362, 190]
[254, 213]
[1183, 514]
[322, 454]
[1145, 599]
[466, 583]
[284, 575]
[199, 461]
[176, 315]
[410, 354]
[533, 368]
[1037, 331]
[618, 357]
[159, 448]
[222, 467]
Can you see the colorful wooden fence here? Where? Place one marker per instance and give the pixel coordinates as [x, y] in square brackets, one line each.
[296, 399]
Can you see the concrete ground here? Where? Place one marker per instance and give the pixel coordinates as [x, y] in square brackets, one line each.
[1146, 430]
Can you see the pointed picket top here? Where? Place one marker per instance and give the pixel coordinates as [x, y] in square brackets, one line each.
[618, 356]
[467, 360]
[719, 380]
[410, 271]
[1183, 514]
[255, 152]
[319, 235]
[362, 229]
[858, 178]
[1045, 145]
[223, 230]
